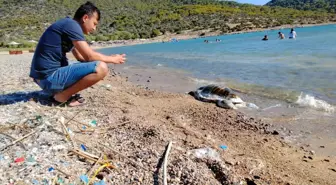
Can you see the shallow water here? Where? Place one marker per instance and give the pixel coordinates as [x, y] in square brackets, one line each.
[292, 81]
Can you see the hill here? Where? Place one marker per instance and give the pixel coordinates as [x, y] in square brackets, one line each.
[130, 19]
[315, 5]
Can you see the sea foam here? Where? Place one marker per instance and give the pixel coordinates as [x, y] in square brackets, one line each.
[306, 100]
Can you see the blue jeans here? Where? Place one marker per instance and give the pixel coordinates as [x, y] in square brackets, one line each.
[65, 77]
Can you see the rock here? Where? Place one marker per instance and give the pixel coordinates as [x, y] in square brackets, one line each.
[275, 132]
[312, 152]
[332, 169]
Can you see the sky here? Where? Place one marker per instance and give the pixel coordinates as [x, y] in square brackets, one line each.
[256, 2]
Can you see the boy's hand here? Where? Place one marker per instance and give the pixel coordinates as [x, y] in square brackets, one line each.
[119, 58]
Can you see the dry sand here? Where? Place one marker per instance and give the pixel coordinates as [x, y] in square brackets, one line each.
[134, 125]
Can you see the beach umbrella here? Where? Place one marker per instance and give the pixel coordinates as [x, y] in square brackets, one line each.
[13, 43]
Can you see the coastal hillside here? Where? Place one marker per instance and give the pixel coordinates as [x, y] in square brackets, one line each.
[131, 19]
[315, 5]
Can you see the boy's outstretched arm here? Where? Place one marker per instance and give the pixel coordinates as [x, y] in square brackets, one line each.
[88, 54]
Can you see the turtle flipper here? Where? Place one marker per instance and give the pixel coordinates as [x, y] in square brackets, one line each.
[226, 104]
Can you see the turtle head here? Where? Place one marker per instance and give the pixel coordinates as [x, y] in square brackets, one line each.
[235, 99]
[191, 93]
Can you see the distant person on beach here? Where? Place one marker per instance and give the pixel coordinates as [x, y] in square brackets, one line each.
[265, 38]
[281, 35]
[50, 68]
[292, 34]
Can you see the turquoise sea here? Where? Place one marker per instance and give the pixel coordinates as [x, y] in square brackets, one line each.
[300, 71]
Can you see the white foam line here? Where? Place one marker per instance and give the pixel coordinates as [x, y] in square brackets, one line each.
[270, 107]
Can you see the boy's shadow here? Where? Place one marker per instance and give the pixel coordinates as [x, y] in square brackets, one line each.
[37, 96]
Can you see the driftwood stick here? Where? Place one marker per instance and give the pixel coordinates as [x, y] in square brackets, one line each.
[165, 163]
[64, 173]
[73, 117]
[18, 140]
[22, 145]
[66, 131]
[91, 170]
[84, 154]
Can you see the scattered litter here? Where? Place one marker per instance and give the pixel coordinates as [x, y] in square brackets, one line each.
[83, 127]
[93, 123]
[18, 160]
[34, 150]
[205, 153]
[58, 147]
[60, 180]
[31, 160]
[34, 181]
[51, 169]
[70, 131]
[84, 178]
[102, 182]
[224, 147]
[83, 147]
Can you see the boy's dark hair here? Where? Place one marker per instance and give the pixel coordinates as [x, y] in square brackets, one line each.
[87, 8]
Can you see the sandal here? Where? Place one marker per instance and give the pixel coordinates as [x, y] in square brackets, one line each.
[74, 101]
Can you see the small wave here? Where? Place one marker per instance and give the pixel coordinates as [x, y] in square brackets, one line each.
[272, 106]
[204, 82]
[310, 101]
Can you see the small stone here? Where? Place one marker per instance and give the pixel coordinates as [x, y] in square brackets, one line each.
[312, 152]
[34, 150]
[256, 177]
[322, 146]
[310, 157]
[275, 132]
[326, 160]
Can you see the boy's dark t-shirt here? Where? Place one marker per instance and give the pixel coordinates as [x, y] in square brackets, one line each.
[56, 41]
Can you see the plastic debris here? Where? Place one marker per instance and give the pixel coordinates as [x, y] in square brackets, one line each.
[34, 181]
[60, 180]
[224, 147]
[2, 157]
[83, 147]
[45, 182]
[31, 160]
[18, 154]
[206, 153]
[70, 131]
[51, 169]
[93, 123]
[99, 183]
[18, 160]
[84, 178]
[83, 127]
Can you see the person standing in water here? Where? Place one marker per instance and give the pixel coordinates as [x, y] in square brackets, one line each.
[292, 34]
[281, 35]
[265, 38]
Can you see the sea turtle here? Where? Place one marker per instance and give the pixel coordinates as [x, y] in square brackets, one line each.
[223, 97]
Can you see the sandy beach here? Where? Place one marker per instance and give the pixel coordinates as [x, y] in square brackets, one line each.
[131, 126]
